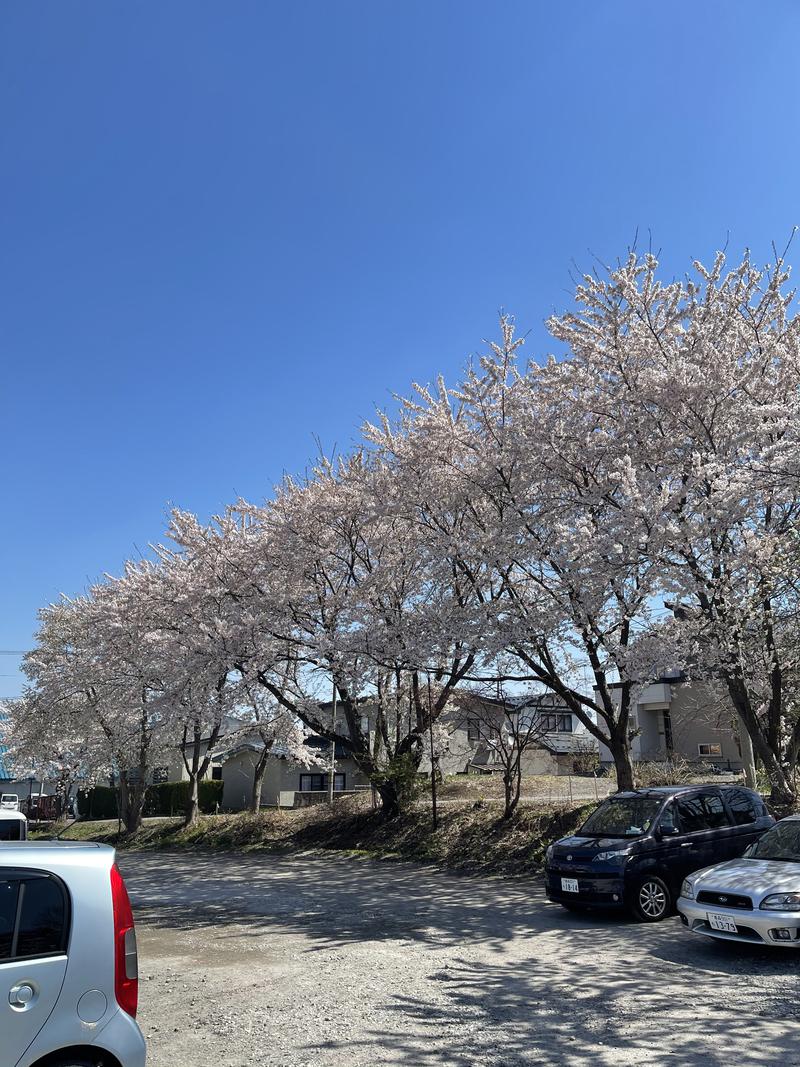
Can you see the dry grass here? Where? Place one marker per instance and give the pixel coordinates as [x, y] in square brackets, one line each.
[469, 837]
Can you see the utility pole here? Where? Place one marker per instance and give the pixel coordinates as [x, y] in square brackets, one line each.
[332, 770]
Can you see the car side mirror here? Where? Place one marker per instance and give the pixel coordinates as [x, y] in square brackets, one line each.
[668, 831]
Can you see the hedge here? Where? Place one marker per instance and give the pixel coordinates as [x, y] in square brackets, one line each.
[100, 802]
[171, 798]
[166, 798]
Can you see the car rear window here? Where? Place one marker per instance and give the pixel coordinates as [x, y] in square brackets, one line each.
[701, 811]
[34, 916]
[744, 806]
[11, 829]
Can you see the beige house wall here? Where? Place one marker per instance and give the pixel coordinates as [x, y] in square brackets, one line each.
[698, 715]
[281, 776]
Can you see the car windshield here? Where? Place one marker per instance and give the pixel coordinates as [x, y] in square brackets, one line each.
[623, 816]
[782, 842]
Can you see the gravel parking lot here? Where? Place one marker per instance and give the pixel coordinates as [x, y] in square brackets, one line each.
[332, 961]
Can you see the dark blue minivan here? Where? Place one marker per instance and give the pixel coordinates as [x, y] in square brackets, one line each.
[636, 848]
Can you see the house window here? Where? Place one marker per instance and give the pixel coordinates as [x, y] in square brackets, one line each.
[711, 749]
[318, 783]
[554, 722]
[216, 774]
[473, 730]
[160, 774]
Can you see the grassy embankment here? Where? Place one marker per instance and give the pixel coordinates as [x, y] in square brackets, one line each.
[470, 836]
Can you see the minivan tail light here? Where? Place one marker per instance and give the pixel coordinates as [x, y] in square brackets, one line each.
[126, 967]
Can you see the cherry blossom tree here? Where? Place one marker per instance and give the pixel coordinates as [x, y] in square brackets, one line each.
[197, 693]
[49, 748]
[706, 372]
[330, 589]
[553, 520]
[95, 672]
[279, 732]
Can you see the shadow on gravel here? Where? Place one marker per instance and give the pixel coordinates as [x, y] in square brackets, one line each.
[548, 987]
[524, 1012]
[343, 898]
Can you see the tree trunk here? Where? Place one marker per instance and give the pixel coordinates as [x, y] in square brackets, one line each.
[136, 809]
[131, 803]
[259, 771]
[511, 786]
[512, 780]
[390, 797]
[783, 795]
[748, 756]
[191, 814]
[621, 753]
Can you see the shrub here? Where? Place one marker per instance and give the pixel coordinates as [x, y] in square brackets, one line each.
[166, 798]
[99, 802]
[586, 761]
[677, 771]
[170, 798]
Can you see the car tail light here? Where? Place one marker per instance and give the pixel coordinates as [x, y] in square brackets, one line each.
[126, 967]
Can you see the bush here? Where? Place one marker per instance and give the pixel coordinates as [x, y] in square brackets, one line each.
[99, 802]
[171, 798]
[402, 771]
[166, 798]
[586, 761]
[677, 771]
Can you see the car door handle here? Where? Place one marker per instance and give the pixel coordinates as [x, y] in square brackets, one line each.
[686, 844]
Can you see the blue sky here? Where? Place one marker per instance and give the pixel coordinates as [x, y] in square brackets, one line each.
[228, 227]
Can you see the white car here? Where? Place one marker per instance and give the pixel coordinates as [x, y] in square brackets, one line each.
[68, 969]
[754, 899]
[13, 825]
[9, 802]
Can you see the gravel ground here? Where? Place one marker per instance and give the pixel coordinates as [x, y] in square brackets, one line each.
[332, 961]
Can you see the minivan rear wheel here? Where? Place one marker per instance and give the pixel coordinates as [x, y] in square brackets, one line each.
[652, 900]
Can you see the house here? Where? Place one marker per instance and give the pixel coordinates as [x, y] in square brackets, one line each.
[283, 778]
[675, 718]
[561, 740]
[171, 767]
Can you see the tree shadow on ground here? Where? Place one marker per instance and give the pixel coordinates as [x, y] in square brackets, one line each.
[512, 979]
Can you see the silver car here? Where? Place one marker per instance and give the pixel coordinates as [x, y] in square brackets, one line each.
[68, 968]
[755, 898]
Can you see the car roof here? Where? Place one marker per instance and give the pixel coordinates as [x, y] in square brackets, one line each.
[671, 790]
[58, 856]
[59, 845]
[9, 813]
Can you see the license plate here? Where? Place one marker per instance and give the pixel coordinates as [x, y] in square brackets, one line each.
[722, 922]
[569, 885]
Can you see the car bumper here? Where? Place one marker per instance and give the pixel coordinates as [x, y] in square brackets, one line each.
[753, 927]
[595, 890]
